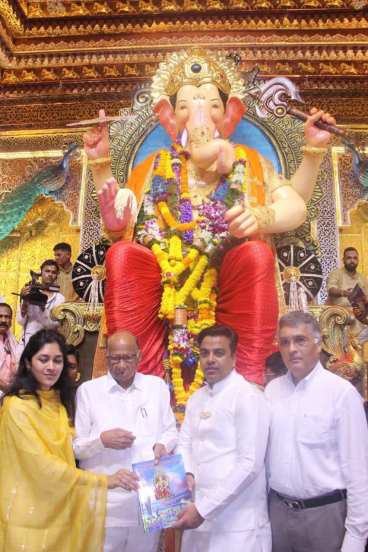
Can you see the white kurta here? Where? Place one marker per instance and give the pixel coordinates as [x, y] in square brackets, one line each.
[37, 319]
[223, 441]
[319, 443]
[144, 409]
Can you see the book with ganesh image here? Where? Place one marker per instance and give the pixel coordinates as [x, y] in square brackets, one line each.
[163, 491]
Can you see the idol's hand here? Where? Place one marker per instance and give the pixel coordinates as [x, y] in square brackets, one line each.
[96, 140]
[242, 222]
[314, 136]
[118, 206]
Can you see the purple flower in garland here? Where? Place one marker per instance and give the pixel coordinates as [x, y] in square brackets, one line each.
[186, 215]
[222, 190]
[213, 218]
[184, 204]
[159, 189]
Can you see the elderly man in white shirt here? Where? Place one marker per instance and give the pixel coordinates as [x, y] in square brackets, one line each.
[122, 418]
[223, 442]
[318, 451]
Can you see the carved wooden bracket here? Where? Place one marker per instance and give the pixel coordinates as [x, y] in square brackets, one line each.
[76, 319]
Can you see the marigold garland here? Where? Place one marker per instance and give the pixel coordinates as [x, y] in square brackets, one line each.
[189, 281]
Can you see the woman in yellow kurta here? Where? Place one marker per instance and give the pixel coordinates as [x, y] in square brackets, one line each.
[46, 503]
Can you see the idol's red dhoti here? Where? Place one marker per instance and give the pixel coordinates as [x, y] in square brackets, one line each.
[247, 302]
[132, 300]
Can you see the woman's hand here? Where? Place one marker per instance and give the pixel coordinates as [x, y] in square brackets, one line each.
[125, 479]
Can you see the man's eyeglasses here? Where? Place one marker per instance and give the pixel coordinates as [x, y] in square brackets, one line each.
[128, 358]
[299, 341]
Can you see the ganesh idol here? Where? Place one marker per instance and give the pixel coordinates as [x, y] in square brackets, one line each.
[192, 227]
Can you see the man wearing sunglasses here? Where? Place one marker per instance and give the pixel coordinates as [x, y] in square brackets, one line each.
[122, 418]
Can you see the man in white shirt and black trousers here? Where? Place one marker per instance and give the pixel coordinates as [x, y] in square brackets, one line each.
[122, 418]
[223, 441]
[318, 450]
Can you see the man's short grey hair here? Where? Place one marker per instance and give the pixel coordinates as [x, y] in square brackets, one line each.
[296, 318]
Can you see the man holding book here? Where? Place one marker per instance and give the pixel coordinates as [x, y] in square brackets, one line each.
[122, 418]
[223, 442]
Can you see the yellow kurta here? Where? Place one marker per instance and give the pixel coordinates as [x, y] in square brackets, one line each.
[46, 503]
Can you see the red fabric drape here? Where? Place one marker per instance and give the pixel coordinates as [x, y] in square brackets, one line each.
[247, 302]
[132, 300]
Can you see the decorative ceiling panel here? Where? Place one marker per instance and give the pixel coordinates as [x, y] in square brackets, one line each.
[68, 54]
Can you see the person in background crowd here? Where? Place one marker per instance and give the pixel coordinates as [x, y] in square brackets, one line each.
[34, 317]
[318, 450]
[340, 284]
[223, 442]
[62, 254]
[73, 363]
[122, 418]
[341, 281]
[46, 503]
[8, 348]
[274, 367]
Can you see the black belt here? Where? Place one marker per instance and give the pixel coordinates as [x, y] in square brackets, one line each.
[323, 500]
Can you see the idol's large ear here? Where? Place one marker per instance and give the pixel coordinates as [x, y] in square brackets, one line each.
[235, 110]
[165, 113]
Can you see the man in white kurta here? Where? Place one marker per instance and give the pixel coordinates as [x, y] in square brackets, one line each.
[223, 442]
[318, 450]
[33, 317]
[122, 418]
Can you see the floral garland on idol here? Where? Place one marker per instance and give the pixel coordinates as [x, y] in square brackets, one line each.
[187, 250]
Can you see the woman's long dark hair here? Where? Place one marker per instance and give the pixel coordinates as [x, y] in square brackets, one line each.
[25, 384]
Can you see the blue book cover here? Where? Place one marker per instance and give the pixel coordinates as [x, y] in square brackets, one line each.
[163, 491]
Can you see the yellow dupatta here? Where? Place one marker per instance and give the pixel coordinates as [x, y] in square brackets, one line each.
[46, 503]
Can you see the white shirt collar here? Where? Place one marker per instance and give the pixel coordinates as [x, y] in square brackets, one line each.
[220, 385]
[309, 377]
[112, 384]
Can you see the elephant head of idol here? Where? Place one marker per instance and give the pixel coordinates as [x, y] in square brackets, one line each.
[197, 97]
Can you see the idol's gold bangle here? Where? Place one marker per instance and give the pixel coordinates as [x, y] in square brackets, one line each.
[314, 150]
[265, 216]
[100, 161]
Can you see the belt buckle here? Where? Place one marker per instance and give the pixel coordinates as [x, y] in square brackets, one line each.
[293, 504]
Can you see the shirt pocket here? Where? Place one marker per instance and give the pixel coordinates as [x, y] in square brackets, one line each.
[314, 430]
